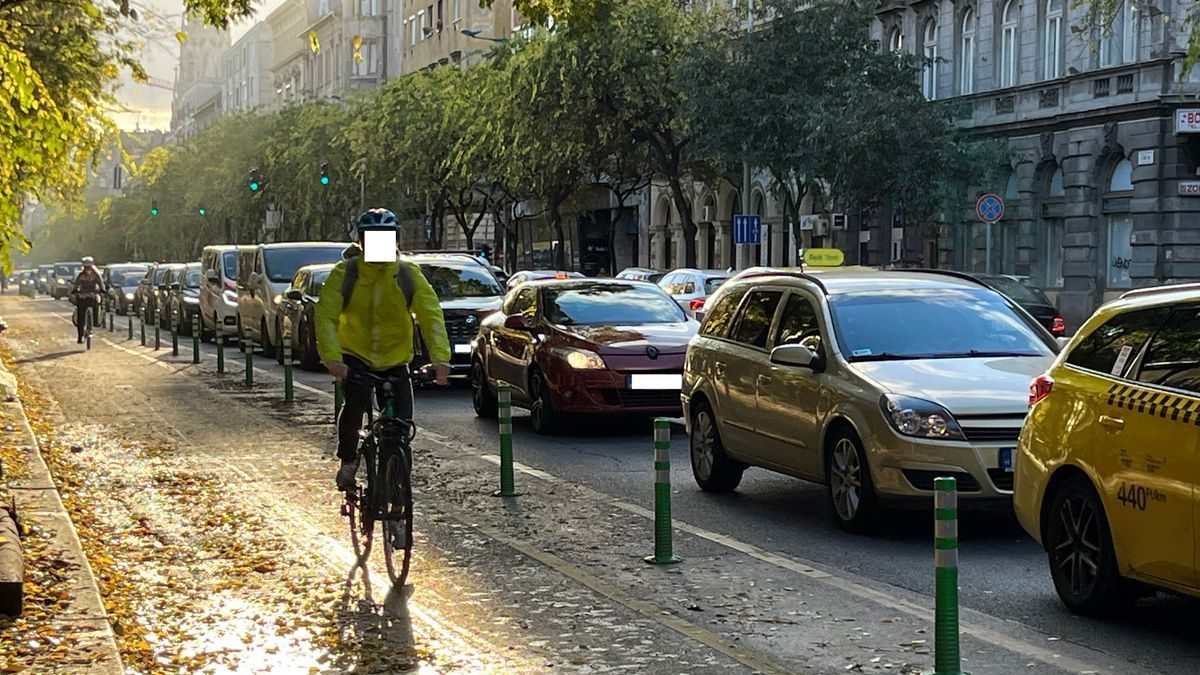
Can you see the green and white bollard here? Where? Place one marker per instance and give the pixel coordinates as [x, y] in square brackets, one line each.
[175, 326]
[946, 659]
[221, 354]
[507, 483]
[142, 323]
[663, 554]
[196, 339]
[112, 321]
[248, 348]
[130, 317]
[288, 393]
[157, 336]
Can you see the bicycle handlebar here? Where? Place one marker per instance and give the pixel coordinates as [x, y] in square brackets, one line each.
[368, 377]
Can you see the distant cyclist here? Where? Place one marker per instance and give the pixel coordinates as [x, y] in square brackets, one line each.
[365, 321]
[85, 293]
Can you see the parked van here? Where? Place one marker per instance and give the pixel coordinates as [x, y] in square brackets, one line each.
[263, 274]
[218, 290]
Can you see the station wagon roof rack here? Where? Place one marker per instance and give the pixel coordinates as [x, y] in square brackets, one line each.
[948, 273]
[1155, 290]
[767, 272]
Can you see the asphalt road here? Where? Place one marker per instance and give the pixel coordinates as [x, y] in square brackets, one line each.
[1003, 573]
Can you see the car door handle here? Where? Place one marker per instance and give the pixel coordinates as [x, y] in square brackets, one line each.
[764, 380]
[719, 368]
[1112, 422]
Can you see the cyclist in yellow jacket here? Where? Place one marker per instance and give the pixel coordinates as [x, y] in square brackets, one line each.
[369, 308]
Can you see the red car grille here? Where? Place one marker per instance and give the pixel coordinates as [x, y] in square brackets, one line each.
[640, 399]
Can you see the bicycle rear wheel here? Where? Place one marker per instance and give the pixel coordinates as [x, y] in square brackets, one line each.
[397, 524]
[87, 330]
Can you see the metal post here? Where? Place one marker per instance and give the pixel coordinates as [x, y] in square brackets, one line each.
[507, 484]
[157, 336]
[175, 326]
[663, 555]
[221, 354]
[987, 266]
[142, 323]
[196, 338]
[287, 369]
[112, 321]
[130, 326]
[248, 348]
[945, 557]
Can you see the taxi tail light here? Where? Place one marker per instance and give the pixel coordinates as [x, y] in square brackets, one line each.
[1040, 389]
[1058, 326]
[697, 304]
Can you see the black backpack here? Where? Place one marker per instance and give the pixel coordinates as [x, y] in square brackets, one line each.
[403, 280]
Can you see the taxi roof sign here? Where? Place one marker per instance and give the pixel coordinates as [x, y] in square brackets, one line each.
[823, 257]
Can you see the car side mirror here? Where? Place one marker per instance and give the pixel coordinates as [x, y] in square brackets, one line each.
[518, 322]
[176, 287]
[797, 356]
[294, 294]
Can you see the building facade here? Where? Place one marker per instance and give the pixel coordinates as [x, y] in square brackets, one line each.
[289, 52]
[430, 32]
[246, 70]
[196, 99]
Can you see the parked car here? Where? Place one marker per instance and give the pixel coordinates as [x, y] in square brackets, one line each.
[691, 287]
[1031, 298]
[45, 279]
[640, 274]
[183, 298]
[143, 297]
[172, 273]
[64, 279]
[1106, 468]
[122, 281]
[873, 383]
[469, 292]
[594, 346]
[264, 273]
[523, 276]
[218, 290]
[297, 310]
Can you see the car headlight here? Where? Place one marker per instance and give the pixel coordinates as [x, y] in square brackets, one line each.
[192, 301]
[129, 296]
[920, 418]
[230, 297]
[582, 359]
[61, 281]
[278, 299]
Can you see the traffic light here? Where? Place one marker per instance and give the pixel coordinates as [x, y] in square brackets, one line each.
[154, 207]
[254, 184]
[324, 173]
[203, 211]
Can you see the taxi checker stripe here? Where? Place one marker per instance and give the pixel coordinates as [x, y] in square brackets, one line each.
[1147, 401]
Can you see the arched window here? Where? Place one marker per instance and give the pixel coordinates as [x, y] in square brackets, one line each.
[1054, 40]
[1122, 177]
[1056, 184]
[929, 77]
[966, 57]
[1009, 17]
[896, 40]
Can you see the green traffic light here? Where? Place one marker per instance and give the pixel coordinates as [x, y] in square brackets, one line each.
[254, 186]
[204, 212]
[324, 180]
[154, 212]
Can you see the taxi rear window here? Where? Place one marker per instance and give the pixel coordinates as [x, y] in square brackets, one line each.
[1111, 348]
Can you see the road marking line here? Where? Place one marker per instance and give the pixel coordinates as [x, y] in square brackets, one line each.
[645, 608]
[800, 566]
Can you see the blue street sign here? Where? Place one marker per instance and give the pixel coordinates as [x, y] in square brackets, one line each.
[989, 208]
[747, 229]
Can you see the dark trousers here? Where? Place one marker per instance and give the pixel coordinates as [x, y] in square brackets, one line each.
[86, 305]
[357, 402]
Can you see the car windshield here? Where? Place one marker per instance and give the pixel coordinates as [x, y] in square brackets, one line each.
[229, 260]
[711, 283]
[318, 280]
[67, 270]
[282, 263]
[467, 281]
[923, 324]
[192, 278]
[125, 277]
[159, 274]
[610, 304]
[1019, 292]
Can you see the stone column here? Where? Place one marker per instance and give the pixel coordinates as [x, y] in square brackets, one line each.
[779, 243]
[658, 248]
[679, 241]
[703, 255]
[721, 256]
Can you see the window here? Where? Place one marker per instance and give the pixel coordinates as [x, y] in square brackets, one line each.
[1173, 358]
[1054, 42]
[1056, 184]
[929, 76]
[754, 325]
[440, 16]
[457, 8]
[1112, 347]
[1119, 42]
[798, 322]
[966, 73]
[523, 302]
[1054, 257]
[420, 28]
[718, 319]
[896, 41]
[368, 7]
[1122, 177]
[1120, 230]
[1008, 44]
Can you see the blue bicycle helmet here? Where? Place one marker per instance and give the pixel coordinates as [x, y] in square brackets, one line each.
[377, 219]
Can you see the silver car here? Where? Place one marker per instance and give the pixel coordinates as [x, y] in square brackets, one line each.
[873, 383]
[691, 287]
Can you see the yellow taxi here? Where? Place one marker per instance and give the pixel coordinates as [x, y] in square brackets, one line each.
[1106, 466]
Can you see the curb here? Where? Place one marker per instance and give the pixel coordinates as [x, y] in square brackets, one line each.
[35, 497]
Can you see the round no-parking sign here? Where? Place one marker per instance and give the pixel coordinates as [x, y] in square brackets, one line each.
[989, 208]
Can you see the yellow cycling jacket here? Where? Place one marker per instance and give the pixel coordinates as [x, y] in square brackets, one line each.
[375, 326]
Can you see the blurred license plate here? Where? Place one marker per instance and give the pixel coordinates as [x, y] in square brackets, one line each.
[462, 349]
[1006, 459]
[656, 381]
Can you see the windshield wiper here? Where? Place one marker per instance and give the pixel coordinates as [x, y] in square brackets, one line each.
[978, 353]
[884, 356]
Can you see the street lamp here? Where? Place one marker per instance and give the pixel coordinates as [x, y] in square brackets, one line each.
[475, 35]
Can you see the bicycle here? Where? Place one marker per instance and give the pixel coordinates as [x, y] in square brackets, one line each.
[385, 447]
[88, 322]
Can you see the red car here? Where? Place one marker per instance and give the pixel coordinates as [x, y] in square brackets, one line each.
[586, 346]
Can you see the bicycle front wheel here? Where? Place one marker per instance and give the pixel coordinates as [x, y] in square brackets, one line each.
[87, 331]
[397, 525]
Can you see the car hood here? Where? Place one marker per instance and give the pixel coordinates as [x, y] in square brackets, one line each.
[979, 386]
[668, 338]
[473, 305]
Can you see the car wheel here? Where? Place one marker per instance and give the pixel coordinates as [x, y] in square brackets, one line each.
[851, 493]
[482, 397]
[542, 416]
[279, 343]
[1079, 545]
[264, 337]
[713, 470]
[310, 359]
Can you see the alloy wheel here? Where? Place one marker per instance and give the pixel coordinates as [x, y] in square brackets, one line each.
[845, 478]
[1077, 553]
[704, 442]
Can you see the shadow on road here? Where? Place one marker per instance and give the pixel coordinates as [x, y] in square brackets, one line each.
[49, 357]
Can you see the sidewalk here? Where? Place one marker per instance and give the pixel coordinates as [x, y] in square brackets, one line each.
[64, 627]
